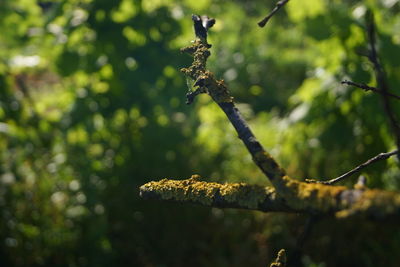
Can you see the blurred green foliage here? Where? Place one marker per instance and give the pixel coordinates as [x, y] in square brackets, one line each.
[92, 106]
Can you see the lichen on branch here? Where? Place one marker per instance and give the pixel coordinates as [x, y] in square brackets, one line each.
[206, 82]
[280, 260]
[297, 197]
[203, 79]
[227, 195]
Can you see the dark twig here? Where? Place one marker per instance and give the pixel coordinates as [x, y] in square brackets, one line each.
[296, 257]
[369, 88]
[381, 77]
[378, 157]
[311, 220]
[278, 6]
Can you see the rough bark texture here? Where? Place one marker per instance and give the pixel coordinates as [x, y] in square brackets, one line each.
[301, 197]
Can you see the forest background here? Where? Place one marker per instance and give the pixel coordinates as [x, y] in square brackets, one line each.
[92, 105]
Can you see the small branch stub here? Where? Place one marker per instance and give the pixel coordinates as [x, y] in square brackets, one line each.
[280, 260]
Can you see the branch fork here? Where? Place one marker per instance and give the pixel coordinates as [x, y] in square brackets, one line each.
[286, 194]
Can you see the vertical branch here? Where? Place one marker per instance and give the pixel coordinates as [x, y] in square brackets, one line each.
[381, 78]
[205, 82]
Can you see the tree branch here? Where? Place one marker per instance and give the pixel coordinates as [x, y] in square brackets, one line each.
[278, 6]
[306, 198]
[287, 194]
[378, 157]
[369, 88]
[233, 195]
[381, 78]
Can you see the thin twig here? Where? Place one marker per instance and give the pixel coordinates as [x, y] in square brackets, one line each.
[369, 88]
[278, 6]
[381, 77]
[378, 157]
[296, 256]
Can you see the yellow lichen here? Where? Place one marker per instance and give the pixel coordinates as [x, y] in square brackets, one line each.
[192, 189]
[243, 194]
[296, 196]
[300, 195]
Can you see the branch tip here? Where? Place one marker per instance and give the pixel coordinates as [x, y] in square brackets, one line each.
[278, 6]
[369, 88]
[381, 156]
